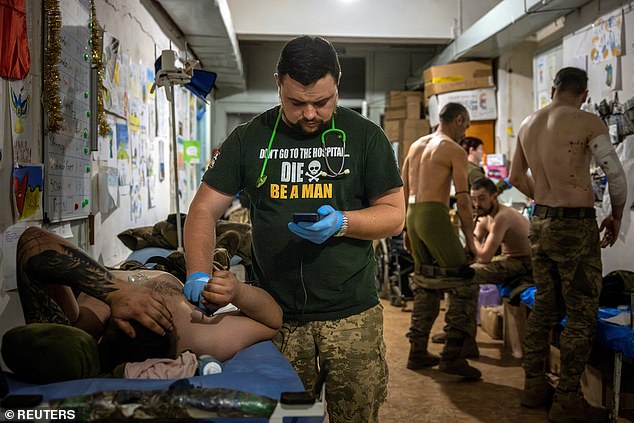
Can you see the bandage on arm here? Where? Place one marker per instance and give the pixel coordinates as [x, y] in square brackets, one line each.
[605, 156]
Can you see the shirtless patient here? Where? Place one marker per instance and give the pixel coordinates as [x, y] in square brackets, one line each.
[50, 268]
[432, 163]
[557, 144]
[498, 227]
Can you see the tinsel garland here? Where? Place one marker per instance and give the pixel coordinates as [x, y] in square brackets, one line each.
[51, 88]
[96, 44]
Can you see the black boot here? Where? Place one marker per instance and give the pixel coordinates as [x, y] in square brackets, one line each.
[419, 357]
[452, 363]
[537, 392]
[571, 407]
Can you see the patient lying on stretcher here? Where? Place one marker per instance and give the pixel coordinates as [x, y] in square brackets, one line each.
[51, 270]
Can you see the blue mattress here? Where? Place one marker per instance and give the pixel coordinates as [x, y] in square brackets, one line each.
[259, 369]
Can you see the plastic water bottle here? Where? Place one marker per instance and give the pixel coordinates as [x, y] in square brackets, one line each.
[207, 365]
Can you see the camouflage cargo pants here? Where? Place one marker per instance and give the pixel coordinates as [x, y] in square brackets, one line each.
[502, 268]
[460, 316]
[567, 272]
[357, 383]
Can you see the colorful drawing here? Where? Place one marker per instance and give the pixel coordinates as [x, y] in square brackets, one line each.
[28, 182]
[123, 154]
[21, 109]
[609, 75]
[606, 38]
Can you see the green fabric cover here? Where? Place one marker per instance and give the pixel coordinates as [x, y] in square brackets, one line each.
[50, 352]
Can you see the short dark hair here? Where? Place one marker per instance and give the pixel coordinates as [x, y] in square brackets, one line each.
[573, 80]
[450, 111]
[470, 142]
[116, 347]
[485, 183]
[307, 59]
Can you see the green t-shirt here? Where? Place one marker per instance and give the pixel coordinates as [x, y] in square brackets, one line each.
[310, 282]
[474, 172]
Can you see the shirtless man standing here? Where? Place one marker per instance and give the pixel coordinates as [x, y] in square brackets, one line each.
[49, 266]
[498, 226]
[430, 166]
[557, 144]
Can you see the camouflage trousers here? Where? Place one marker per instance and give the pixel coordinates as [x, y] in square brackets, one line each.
[567, 273]
[460, 318]
[502, 268]
[357, 383]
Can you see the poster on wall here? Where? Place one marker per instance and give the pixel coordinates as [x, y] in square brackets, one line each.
[545, 67]
[21, 119]
[123, 156]
[107, 145]
[606, 37]
[108, 189]
[161, 159]
[6, 162]
[151, 172]
[604, 78]
[114, 82]
[28, 184]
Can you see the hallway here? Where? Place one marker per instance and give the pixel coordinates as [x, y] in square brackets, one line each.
[430, 396]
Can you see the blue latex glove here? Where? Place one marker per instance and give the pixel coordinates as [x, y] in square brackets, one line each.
[194, 286]
[508, 184]
[318, 232]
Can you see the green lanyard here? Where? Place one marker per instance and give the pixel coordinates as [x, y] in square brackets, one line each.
[262, 178]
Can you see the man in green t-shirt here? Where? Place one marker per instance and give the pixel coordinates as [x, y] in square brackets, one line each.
[308, 155]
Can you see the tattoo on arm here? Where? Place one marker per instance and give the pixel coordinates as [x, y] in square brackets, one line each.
[71, 267]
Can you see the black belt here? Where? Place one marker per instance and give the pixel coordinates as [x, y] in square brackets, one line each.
[565, 212]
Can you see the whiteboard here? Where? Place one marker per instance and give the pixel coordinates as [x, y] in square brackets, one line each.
[67, 154]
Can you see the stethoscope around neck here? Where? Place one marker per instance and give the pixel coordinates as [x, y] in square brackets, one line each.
[332, 173]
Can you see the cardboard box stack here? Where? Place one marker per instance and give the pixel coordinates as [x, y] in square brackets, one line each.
[402, 121]
[467, 83]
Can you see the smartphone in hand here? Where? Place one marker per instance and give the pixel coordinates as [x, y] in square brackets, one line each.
[306, 217]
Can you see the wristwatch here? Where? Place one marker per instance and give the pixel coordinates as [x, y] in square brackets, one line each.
[344, 225]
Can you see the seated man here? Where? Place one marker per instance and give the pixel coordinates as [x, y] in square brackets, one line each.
[498, 226]
[50, 269]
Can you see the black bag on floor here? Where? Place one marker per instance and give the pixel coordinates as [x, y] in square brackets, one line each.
[616, 288]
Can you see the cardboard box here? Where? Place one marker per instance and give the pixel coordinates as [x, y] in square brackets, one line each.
[413, 108]
[515, 318]
[491, 321]
[457, 77]
[400, 98]
[481, 104]
[393, 113]
[485, 130]
[413, 129]
[394, 129]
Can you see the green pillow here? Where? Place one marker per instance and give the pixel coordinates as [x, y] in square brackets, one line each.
[50, 352]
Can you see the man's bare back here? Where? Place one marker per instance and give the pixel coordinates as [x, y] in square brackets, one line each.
[513, 227]
[431, 167]
[554, 141]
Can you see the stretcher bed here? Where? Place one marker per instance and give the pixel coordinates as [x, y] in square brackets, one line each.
[259, 369]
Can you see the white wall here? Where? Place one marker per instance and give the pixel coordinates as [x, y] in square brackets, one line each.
[515, 95]
[137, 31]
[364, 19]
